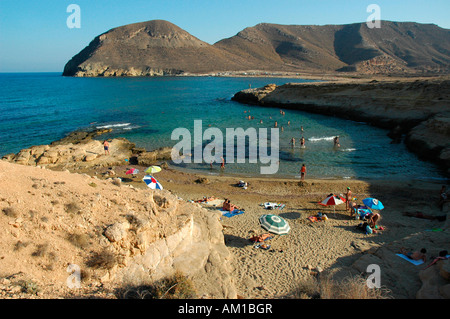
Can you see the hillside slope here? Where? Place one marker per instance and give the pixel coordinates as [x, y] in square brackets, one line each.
[159, 47]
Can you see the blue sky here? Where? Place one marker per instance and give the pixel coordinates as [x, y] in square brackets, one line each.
[34, 36]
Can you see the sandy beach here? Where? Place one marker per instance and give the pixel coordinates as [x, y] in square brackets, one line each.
[311, 247]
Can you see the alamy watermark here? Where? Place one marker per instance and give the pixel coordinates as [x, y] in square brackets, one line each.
[374, 20]
[190, 148]
[74, 19]
[374, 279]
[74, 280]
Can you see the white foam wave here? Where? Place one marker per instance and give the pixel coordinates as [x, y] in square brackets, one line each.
[324, 138]
[349, 149]
[114, 125]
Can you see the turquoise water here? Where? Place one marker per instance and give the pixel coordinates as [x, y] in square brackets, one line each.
[42, 107]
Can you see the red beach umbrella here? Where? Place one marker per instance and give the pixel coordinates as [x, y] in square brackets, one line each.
[332, 200]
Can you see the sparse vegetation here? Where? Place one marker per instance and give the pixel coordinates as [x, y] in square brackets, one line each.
[177, 286]
[102, 260]
[19, 245]
[117, 181]
[79, 240]
[327, 288]
[10, 212]
[30, 287]
[41, 250]
[72, 208]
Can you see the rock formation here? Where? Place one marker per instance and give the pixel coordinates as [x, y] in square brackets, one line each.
[79, 150]
[158, 47]
[117, 236]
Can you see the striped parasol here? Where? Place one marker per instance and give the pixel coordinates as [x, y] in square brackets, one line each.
[274, 224]
[152, 182]
[332, 200]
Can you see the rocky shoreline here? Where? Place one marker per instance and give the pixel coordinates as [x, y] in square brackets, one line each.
[79, 150]
[415, 111]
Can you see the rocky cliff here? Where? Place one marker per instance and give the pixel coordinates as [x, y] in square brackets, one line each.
[159, 47]
[55, 222]
[419, 111]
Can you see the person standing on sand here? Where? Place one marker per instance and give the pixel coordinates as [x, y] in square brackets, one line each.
[348, 198]
[222, 166]
[303, 172]
[106, 147]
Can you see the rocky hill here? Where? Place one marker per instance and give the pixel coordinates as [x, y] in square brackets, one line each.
[113, 235]
[150, 48]
[159, 47]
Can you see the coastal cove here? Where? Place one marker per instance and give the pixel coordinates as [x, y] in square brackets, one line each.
[118, 211]
[138, 108]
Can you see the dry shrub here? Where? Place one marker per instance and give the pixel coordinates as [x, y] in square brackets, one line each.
[72, 208]
[10, 212]
[102, 260]
[41, 250]
[79, 240]
[117, 182]
[19, 245]
[327, 288]
[176, 286]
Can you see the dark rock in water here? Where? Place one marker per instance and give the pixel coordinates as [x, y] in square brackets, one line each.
[77, 137]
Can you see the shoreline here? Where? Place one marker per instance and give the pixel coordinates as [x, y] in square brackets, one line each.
[334, 247]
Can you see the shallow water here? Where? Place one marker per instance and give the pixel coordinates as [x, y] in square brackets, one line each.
[42, 107]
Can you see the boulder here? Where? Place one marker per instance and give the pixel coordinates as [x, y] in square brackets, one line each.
[117, 231]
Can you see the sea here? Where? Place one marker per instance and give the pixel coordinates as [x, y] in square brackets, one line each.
[38, 108]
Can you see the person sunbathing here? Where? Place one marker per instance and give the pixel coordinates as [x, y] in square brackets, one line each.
[415, 255]
[228, 206]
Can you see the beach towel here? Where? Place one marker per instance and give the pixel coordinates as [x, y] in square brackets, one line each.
[412, 261]
[262, 246]
[231, 214]
[270, 205]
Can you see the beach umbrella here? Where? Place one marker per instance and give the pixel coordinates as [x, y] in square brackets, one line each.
[332, 200]
[373, 203]
[153, 169]
[132, 171]
[152, 182]
[274, 224]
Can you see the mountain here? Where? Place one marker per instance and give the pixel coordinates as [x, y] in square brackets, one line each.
[159, 47]
[154, 47]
